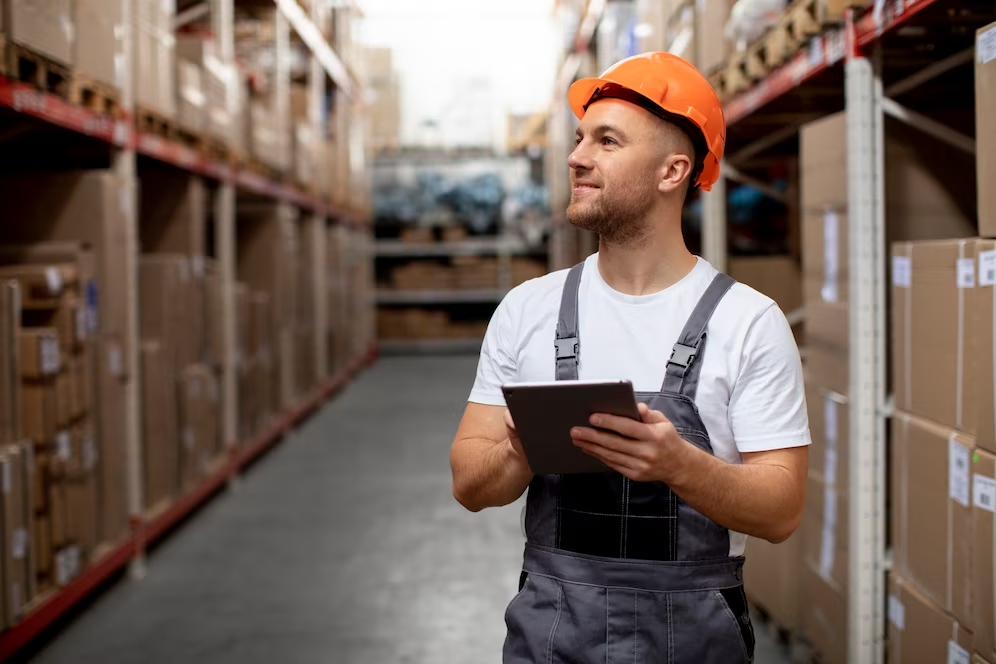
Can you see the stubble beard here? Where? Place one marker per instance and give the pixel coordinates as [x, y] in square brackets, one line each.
[620, 219]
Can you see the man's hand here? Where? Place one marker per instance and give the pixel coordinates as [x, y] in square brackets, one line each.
[646, 451]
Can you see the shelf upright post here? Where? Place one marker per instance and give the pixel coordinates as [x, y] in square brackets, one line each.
[225, 241]
[318, 228]
[714, 224]
[866, 251]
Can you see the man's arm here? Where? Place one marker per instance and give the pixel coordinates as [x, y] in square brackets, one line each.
[488, 464]
[764, 497]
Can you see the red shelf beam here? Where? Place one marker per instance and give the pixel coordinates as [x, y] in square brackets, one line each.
[58, 604]
[823, 52]
[55, 110]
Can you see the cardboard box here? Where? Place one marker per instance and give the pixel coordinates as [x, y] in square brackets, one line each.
[220, 82]
[772, 578]
[985, 127]
[79, 206]
[173, 213]
[177, 321]
[268, 256]
[921, 631]
[39, 353]
[829, 431]
[41, 285]
[15, 539]
[155, 56]
[827, 366]
[983, 623]
[939, 338]
[10, 369]
[199, 423]
[111, 436]
[191, 106]
[160, 421]
[63, 399]
[214, 315]
[44, 27]
[824, 532]
[824, 617]
[38, 417]
[99, 43]
[932, 515]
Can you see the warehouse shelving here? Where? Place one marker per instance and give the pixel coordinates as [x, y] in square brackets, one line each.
[474, 247]
[439, 296]
[230, 186]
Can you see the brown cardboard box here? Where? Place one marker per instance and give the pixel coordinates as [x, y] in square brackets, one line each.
[778, 277]
[15, 535]
[772, 579]
[171, 311]
[824, 617]
[199, 416]
[155, 50]
[286, 369]
[10, 370]
[938, 334]
[982, 313]
[828, 427]
[921, 631]
[191, 104]
[983, 623]
[260, 327]
[160, 421]
[827, 366]
[79, 206]
[824, 532]
[268, 255]
[213, 317]
[38, 417]
[39, 353]
[710, 23]
[42, 26]
[99, 43]
[932, 516]
[41, 285]
[985, 127]
[219, 80]
[976, 659]
[63, 399]
[173, 213]
[824, 255]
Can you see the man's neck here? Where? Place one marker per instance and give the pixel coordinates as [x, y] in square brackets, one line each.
[645, 267]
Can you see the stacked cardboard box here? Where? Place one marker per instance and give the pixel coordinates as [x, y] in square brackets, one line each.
[99, 40]
[220, 85]
[155, 55]
[985, 127]
[44, 27]
[200, 402]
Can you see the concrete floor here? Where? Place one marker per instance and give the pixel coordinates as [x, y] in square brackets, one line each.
[343, 545]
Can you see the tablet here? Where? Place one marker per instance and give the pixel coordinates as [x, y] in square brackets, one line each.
[545, 413]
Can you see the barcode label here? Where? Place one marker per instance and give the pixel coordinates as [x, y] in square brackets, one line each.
[902, 271]
[966, 273]
[54, 281]
[957, 654]
[816, 52]
[63, 446]
[897, 612]
[984, 493]
[19, 544]
[81, 324]
[114, 363]
[987, 268]
[986, 46]
[958, 472]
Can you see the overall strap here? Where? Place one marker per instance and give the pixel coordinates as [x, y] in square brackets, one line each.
[567, 344]
[682, 369]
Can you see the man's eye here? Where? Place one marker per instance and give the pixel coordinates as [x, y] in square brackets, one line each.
[577, 141]
[608, 141]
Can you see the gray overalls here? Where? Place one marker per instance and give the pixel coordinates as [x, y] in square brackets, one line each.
[621, 571]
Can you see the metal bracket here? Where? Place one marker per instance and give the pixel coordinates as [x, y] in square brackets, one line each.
[567, 349]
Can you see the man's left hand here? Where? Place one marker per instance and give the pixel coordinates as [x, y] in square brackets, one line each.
[645, 451]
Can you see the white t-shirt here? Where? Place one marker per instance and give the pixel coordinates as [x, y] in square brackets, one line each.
[750, 394]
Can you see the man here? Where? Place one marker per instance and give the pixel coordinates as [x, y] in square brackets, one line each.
[643, 563]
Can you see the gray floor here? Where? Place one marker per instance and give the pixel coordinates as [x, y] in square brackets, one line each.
[344, 545]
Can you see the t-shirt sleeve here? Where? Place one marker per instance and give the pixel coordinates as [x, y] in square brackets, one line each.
[497, 363]
[768, 402]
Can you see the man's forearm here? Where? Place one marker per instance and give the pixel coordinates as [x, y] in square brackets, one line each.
[755, 499]
[486, 474]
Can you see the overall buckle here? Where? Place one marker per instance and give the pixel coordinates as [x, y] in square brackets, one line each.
[567, 349]
[683, 356]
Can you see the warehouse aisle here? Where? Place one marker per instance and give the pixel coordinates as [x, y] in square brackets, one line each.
[344, 545]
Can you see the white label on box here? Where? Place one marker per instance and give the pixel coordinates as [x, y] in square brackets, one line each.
[987, 268]
[957, 654]
[51, 360]
[966, 273]
[958, 472]
[984, 493]
[19, 544]
[902, 272]
[985, 47]
[6, 477]
[114, 363]
[831, 264]
[897, 612]
[89, 453]
[63, 446]
[197, 265]
[54, 279]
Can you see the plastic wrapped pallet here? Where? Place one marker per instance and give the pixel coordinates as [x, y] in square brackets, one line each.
[220, 82]
[154, 46]
[985, 127]
[42, 27]
[99, 42]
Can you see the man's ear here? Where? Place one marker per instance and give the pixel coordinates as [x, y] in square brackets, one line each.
[674, 173]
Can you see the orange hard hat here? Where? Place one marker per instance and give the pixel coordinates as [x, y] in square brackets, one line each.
[670, 88]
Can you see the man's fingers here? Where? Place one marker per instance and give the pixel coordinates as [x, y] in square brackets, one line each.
[618, 462]
[621, 425]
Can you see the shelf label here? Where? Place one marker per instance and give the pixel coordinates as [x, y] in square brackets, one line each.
[831, 259]
[984, 490]
[902, 271]
[897, 612]
[987, 268]
[986, 46]
[966, 273]
[957, 654]
[835, 47]
[816, 52]
[958, 472]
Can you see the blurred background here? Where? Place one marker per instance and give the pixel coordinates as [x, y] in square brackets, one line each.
[249, 251]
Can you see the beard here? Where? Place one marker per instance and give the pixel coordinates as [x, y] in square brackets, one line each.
[619, 219]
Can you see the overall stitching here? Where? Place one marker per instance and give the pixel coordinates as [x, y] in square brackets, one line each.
[670, 632]
[628, 516]
[736, 623]
[636, 622]
[608, 641]
[556, 623]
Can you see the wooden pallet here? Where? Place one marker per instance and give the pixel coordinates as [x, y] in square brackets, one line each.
[98, 97]
[24, 65]
[150, 121]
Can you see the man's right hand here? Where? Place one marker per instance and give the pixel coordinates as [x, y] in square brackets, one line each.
[487, 459]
